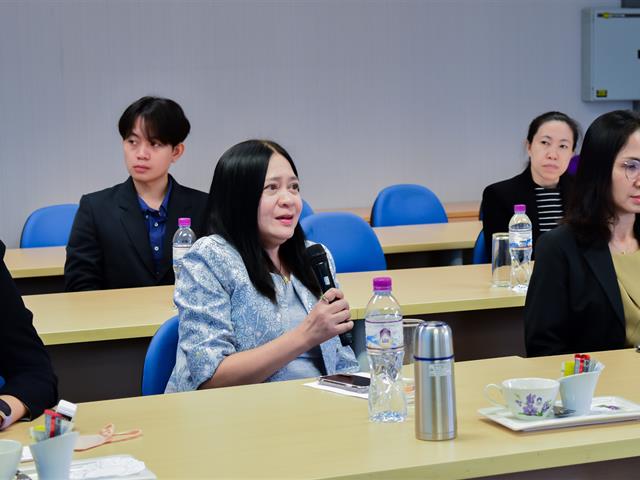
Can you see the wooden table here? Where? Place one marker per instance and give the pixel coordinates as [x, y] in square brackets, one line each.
[107, 331]
[286, 430]
[35, 262]
[100, 315]
[37, 270]
[427, 238]
[456, 211]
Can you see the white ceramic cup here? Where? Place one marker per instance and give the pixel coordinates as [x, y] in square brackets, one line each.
[576, 391]
[500, 260]
[10, 453]
[526, 398]
[53, 456]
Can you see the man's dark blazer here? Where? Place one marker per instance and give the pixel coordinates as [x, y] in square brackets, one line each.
[24, 363]
[573, 302]
[109, 243]
[499, 198]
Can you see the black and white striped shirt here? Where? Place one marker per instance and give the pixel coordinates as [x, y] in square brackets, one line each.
[550, 212]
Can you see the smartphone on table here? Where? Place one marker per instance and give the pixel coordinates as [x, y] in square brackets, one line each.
[352, 383]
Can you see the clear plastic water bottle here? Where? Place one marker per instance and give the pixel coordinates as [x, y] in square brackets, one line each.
[520, 247]
[385, 349]
[182, 241]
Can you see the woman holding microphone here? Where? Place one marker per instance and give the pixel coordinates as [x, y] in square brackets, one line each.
[247, 296]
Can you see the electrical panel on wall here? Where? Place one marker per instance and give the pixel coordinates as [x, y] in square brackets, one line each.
[610, 54]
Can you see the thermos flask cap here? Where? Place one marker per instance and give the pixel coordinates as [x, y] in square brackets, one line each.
[433, 341]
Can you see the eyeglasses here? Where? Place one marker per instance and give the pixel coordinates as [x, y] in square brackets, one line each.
[632, 170]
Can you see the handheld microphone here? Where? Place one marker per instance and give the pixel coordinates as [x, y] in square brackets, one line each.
[320, 265]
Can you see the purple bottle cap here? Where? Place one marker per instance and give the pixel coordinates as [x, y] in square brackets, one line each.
[184, 222]
[519, 208]
[381, 284]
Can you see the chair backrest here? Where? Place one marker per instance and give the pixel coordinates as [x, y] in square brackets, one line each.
[407, 204]
[160, 358]
[352, 242]
[48, 226]
[479, 252]
[306, 210]
[573, 165]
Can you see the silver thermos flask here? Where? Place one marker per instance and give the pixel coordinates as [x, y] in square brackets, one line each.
[435, 398]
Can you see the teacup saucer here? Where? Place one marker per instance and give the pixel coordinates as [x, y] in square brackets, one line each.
[603, 410]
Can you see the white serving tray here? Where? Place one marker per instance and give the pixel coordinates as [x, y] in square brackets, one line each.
[603, 410]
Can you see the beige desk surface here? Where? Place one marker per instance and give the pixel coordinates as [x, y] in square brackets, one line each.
[456, 211]
[423, 238]
[101, 314]
[138, 312]
[35, 262]
[286, 430]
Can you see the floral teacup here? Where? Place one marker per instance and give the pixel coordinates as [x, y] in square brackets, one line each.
[526, 398]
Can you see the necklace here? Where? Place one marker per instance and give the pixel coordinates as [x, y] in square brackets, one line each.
[284, 278]
[622, 250]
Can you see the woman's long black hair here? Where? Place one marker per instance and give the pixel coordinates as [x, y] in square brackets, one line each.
[232, 213]
[591, 209]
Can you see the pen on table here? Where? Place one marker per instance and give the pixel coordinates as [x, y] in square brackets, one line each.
[52, 423]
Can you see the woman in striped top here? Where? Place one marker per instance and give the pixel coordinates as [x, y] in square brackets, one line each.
[542, 186]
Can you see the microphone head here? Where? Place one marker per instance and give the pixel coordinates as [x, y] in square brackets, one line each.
[316, 253]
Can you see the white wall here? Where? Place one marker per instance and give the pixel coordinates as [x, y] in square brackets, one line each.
[363, 93]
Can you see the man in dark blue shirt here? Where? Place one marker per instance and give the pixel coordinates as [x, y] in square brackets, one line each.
[156, 221]
[121, 236]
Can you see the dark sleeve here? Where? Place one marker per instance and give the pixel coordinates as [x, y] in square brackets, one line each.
[547, 325]
[83, 268]
[495, 214]
[199, 208]
[24, 362]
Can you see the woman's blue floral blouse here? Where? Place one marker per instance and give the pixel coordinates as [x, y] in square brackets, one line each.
[221, 313]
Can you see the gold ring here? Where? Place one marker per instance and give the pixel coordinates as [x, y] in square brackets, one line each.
[323, 298]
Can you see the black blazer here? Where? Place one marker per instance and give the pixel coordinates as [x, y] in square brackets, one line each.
[573, 303]
[24, 362]
[499, 198]
[109, 243]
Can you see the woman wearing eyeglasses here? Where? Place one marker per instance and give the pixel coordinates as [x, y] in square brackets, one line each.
[584, 293]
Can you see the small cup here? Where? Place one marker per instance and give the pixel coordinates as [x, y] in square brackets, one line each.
[408, 330]
[500, 260]
[576, 391]
[10, 453]
[526, 398]
[53, 456]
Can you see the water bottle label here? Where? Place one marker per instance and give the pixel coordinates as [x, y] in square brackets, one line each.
[439, 369]
[520, 239]
[521, 244]
[384, 335]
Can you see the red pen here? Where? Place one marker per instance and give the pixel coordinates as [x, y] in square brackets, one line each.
[51, 421]
[579, 360]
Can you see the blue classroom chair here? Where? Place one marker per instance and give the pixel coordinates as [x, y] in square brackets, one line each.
[48, 226]
[160, 358]
[406, 204]
[351, 241]
[479, 253]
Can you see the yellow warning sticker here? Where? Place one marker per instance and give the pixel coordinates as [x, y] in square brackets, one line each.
[601, 93]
